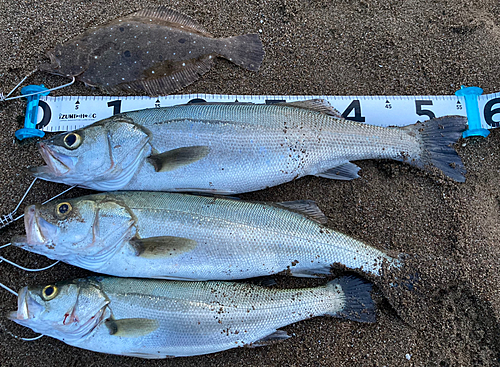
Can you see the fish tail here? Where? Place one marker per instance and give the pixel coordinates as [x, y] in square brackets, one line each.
[437, 137]
[355, 294]
[246, 51]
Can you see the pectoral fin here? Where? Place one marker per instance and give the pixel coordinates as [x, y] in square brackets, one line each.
[347, 171]
[161, 247]
[307, 208]
[173, 159]
[131, 328]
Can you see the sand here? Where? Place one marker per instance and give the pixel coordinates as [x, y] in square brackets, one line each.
[447, 230]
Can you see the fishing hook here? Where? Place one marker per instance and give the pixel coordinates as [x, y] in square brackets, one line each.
[6, 98]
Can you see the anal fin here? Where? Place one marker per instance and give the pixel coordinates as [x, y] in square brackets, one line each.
[277, 336]
[346, 172]
[168, 77]
[318, 272]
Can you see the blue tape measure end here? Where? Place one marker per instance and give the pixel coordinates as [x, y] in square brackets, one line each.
[26, 133]
[30, 130]
[471, 94]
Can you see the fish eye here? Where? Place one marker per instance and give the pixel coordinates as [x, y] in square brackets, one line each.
[72, 140]
[49, 292]
[63, 208]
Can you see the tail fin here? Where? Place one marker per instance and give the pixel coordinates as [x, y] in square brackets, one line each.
[437, 137]
[246, 51]
[356, 296]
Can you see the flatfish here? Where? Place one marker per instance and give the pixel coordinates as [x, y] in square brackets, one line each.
[153, 51]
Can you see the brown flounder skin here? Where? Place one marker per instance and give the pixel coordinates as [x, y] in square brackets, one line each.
[157, 51]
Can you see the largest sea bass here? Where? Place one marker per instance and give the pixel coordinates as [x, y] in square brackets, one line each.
[235, 148]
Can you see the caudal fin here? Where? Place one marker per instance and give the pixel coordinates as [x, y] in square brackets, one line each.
[437, 137]
[246, 51]
[356, 296]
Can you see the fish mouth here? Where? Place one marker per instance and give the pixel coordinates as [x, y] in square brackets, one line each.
[38, 230]
[27, 307]
[58, 164]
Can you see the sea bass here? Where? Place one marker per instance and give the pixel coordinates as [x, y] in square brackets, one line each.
[154, 51]
[187, 237]
[235, 148]
[158, 319]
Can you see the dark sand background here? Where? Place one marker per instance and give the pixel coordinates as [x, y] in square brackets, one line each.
[354, 47]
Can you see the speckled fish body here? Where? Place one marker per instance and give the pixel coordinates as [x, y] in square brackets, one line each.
[235, 148]
[187, 237]
[157, 319]
[157, 51]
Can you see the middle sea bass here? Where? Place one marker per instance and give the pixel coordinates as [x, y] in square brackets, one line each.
[235, 148]
[188, 237]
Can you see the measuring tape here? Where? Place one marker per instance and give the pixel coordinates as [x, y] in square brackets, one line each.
[483, 111]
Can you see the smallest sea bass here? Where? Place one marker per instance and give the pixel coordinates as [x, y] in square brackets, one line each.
[153, 51]
[188, 237]
[159, 319]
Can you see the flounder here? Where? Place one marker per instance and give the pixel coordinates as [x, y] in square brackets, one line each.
[153, 51]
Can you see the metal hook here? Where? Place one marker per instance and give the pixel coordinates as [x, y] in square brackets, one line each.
[9, 290]
[17, 295]
[27, 269]
[6, 98]
[10, 333]
[9, 218]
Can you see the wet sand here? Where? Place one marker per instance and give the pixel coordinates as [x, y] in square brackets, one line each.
[447, 230]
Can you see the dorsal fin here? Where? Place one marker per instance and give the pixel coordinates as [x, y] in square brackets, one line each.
[176, 19]
[318, 105]
[307, 208]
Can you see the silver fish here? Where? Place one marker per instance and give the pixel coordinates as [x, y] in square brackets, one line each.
[154, 51]
[157, 318]
[235, 148]
[187, 237]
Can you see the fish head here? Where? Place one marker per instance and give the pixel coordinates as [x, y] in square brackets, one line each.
[65, 310]
[85, 229]
[103, 156]
[67, 60]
